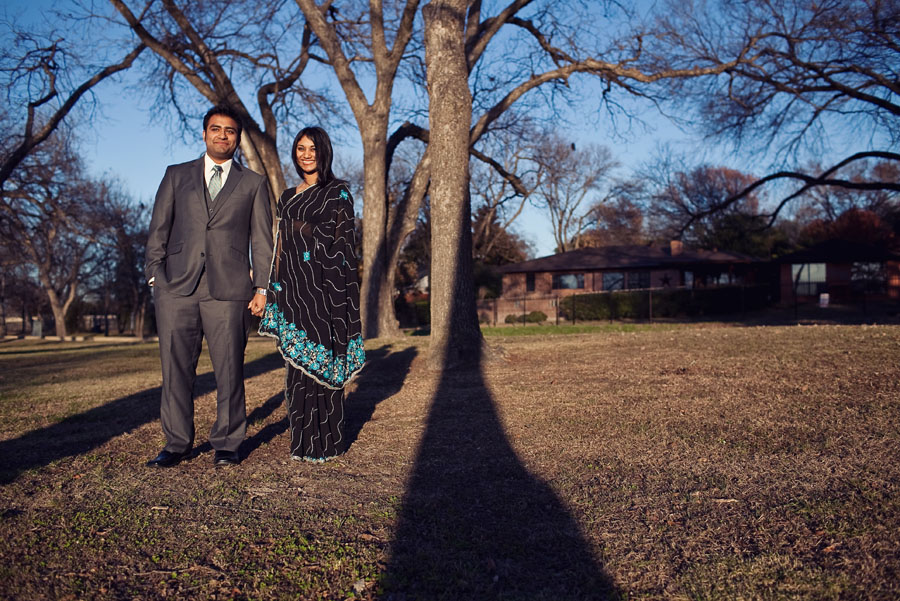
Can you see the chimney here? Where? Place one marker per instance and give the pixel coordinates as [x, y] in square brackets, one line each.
[675, 247]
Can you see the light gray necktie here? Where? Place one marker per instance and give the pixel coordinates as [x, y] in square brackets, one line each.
[215, 182]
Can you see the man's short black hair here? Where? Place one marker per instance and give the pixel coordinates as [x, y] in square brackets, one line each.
[228, 112]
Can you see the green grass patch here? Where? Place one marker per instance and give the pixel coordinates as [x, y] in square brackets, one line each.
[646, 460]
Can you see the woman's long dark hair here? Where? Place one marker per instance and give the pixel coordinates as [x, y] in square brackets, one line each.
[324, 153]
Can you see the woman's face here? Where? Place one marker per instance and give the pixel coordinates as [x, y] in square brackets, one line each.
[306, 155]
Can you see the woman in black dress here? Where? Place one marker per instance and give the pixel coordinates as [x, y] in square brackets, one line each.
[313, 299]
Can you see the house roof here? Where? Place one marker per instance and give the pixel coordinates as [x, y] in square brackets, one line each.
[625, 257]
[840, 251]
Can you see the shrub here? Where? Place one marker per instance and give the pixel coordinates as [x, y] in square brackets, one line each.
[673, 302]
[536, 317]
[423, 311]
[533, 317]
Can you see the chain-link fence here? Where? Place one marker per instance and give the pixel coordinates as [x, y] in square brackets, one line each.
[646, 304]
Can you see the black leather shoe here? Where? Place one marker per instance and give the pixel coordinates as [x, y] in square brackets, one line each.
[226, 458]
[168, 459]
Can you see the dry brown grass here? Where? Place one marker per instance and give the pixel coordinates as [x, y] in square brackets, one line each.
[689, 463]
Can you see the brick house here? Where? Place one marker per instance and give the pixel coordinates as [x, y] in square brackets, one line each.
[538, 283]
[846, 271]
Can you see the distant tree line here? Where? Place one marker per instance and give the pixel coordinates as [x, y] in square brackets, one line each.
[70, 245]
[456, 103]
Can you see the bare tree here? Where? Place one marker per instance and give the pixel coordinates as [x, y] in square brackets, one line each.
[493, 243]
[816, 68]
[49, 213]
[503, 176]
[8, 261]
[219, 48]
[376, 36]
[553, 57]
[124, 238]
[455, 332]
[541, 63]
[18, 292]
[619, 220]
[833, 201]
[678, 193]
[37, 72]
[570, 178]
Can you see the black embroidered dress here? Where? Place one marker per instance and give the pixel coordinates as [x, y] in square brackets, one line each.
[312, 311]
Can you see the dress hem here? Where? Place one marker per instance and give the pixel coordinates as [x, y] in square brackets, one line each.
[305, 370]
[309, 459]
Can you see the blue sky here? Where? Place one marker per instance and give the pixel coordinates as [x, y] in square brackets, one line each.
[127, 141]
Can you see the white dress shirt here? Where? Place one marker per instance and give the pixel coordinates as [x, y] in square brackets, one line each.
[208, 169]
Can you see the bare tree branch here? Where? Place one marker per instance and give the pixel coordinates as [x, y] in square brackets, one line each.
[31, 139]
[823, 179]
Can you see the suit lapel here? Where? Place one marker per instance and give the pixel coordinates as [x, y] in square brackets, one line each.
[199, 180]
[234, 176]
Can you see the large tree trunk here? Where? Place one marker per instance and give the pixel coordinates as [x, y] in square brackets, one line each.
[377, 291]
[403, 220]
[261, 154]
[140, 318]
[138, 309]
[455, 336]
[56, 307]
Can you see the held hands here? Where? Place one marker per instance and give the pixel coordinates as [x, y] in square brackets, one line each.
[257, 304]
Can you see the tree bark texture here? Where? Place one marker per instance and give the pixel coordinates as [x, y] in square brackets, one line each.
[455, 335]
[376, 292]
[373, 119]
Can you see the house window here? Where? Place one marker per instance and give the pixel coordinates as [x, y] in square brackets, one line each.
[638, 279]
[529, 282]
[868, 277]
[809, 278]
[613, 280]
[568, 281]
[723, 279]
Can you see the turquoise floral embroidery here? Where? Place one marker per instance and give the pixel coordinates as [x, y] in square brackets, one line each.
[315, 358]
[306, 255]
[276, 286]
[344, 194]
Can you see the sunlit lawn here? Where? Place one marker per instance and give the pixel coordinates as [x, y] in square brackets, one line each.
[650, 461]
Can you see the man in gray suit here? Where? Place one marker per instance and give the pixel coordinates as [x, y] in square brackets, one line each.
[210, 219]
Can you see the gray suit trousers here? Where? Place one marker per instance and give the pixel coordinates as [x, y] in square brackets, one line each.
[182, 322]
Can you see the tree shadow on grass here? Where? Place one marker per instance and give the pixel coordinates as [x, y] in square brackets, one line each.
[267, 433]
[475, 524]
[88, 430]
[381, 378]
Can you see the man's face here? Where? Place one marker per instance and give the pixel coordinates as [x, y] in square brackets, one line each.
[221, 137]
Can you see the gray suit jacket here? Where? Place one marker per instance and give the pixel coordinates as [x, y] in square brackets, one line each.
[188, 232]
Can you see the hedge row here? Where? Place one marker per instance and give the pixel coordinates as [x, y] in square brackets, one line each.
[676, 302]
[533, 317]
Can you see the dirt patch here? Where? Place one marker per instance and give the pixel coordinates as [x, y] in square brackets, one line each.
[689, 463]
